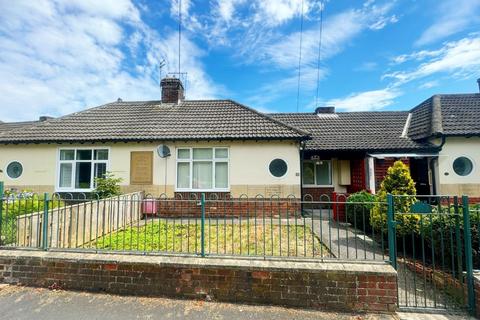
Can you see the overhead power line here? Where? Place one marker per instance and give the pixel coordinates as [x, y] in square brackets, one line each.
[322, 8]
[300, 59]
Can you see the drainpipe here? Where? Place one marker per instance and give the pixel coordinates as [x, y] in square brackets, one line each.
[302, 155]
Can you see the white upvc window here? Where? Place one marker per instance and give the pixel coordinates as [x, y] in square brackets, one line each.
[202, 169]
[317, 173]
[78, 168]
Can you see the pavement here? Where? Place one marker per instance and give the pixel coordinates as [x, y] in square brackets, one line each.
[35, 303]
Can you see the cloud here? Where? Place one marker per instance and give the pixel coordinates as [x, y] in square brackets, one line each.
[59, 57]
[452, 16]
[367, 100]
[457, 58]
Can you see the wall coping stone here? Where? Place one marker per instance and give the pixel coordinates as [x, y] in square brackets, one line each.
[212, 262]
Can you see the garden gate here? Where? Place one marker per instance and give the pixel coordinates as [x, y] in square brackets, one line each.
[430, 245]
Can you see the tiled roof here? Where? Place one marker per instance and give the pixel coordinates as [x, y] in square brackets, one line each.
[446, 114]
[9, 126]
[152, 120]
[362, 131]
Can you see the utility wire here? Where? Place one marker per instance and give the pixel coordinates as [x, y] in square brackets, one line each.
[322, 8]
[300, 59]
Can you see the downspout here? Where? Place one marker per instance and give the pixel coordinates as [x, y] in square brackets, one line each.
[436, 130]
[302, 155]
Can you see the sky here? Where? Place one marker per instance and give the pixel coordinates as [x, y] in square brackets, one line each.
[62, 56]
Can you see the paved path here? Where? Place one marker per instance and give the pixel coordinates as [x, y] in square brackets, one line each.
[31, 303]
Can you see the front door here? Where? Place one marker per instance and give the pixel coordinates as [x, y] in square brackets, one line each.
[419, 170]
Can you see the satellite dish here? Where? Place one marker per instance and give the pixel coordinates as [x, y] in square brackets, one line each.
[163, 151]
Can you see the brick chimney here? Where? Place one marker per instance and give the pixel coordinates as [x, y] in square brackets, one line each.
[323, 110]
[172, 90]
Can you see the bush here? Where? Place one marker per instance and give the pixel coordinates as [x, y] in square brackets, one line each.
[107, 186]
[359, 206]
[397, 182]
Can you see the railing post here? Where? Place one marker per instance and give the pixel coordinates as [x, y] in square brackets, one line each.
[1, 210]
[45, 222]
[467, 232]
[202, 226]
[391, 231]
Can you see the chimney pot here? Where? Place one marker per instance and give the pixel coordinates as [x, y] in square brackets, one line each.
[172, 90]
[322, 110]
[478, 81]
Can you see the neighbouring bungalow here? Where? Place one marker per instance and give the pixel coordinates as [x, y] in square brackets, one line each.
[178, 147]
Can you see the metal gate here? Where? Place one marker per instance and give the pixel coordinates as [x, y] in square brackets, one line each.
[430, 246]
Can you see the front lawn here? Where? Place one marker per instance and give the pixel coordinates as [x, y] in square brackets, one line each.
[244, 238]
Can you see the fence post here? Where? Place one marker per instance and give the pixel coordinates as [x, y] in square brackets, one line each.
[468, 254]
[202, 226]
[45, 222]
[1, 210]
[391, 232]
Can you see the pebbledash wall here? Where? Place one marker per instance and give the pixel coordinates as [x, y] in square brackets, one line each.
[448, 181]
[248, 166]
[315, 285]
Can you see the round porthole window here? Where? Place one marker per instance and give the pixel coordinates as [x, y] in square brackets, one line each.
[14, 170]
[278, 168]
[463, 166]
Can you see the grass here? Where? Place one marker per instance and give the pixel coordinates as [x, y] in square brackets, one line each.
[244, 238]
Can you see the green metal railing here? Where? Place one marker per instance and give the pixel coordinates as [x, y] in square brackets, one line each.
[430, 245]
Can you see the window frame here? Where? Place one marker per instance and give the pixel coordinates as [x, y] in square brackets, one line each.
[471, 161]
[286, 172]
[315, 185]
[74, 170]
[214, 161]
[6, 170]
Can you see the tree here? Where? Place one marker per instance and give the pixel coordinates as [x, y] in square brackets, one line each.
[400, 184]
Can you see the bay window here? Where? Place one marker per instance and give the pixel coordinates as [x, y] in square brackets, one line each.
[202, 169]
[78, 168]
[317, 173]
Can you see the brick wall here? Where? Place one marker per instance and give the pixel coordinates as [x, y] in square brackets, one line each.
[358, 176]
[317, 194]
[234, 207]
[476, 279]
[316, 285]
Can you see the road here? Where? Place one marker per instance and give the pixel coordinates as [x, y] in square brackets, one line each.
[34, 303]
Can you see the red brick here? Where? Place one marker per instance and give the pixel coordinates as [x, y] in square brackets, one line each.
[110, 267]
[261, 275]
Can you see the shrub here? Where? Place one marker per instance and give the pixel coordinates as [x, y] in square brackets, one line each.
[397, 182]
[358, 209]
[107, 186]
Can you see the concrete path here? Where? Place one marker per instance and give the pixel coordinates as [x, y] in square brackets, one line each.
[345, 243]
[31, 303]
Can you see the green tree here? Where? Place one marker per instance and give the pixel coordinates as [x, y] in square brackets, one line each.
[107, 186]
[400, 184]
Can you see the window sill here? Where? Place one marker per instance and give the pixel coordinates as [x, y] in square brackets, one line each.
[318, 186]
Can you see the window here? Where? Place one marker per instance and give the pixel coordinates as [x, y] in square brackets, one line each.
[278, 168]
[463, 166]
[317, 173]
[78, 168]
[14, 170]
[202, 169]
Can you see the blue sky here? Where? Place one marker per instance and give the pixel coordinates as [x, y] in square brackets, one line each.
[58, 57]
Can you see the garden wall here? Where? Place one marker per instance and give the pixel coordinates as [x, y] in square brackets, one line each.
[315, 285]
